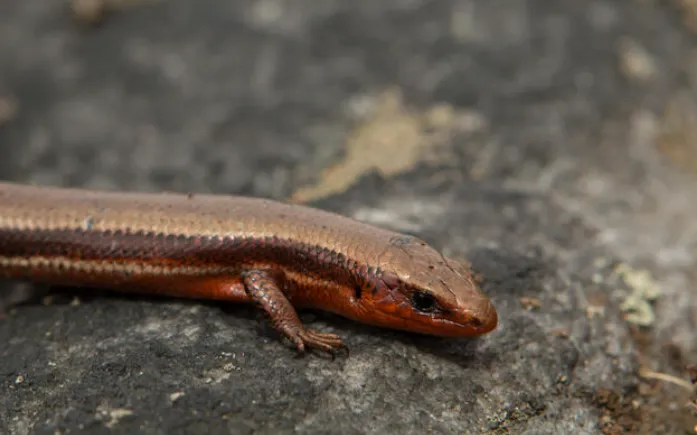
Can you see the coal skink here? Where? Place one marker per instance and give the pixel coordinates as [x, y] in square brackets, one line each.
[279, 256]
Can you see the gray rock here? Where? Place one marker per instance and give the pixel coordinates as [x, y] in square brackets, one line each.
[546, 142]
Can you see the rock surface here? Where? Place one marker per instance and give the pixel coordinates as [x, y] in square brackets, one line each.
[550, 143]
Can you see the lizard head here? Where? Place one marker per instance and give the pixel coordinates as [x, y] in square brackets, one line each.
[420, 290]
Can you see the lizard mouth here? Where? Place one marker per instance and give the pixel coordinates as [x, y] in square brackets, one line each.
[475, 319]
[461, 324]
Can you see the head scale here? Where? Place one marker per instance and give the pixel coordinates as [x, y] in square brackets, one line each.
[422, 291]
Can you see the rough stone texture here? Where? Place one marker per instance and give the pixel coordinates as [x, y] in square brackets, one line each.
[551, 143]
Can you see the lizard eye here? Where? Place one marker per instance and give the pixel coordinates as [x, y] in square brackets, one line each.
[423, 301]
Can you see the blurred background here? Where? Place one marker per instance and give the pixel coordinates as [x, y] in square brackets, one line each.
[552, 144]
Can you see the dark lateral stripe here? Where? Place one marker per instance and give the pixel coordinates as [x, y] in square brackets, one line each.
[189, 251]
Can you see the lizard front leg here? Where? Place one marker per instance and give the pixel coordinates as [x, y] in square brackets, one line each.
[264, 289]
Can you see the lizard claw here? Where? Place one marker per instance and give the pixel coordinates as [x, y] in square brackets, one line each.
[327, 342]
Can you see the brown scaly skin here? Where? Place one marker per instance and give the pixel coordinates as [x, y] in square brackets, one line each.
[275, 255]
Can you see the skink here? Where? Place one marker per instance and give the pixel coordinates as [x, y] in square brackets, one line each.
[279, 256]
